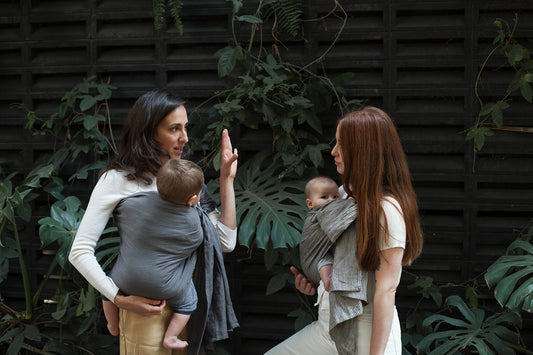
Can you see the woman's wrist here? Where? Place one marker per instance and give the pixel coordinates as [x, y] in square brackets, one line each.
[119, 300]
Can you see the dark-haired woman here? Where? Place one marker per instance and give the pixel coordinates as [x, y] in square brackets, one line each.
[155, 131]
[369, 157]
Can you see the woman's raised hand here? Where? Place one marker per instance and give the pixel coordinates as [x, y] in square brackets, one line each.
[302, 284]
[228, 161]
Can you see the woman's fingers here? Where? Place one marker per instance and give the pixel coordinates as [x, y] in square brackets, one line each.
[301, 283]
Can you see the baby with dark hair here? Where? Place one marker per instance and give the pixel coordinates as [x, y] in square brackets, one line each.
[160, 233]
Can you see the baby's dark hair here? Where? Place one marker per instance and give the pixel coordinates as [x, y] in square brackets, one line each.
[316, 180]
[179, 179]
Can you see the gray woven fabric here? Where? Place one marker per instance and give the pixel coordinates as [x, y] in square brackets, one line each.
[158, 247]
[214, 317]
[333, 227]
[169, 242]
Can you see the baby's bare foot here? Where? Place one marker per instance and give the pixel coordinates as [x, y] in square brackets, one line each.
[174, 343]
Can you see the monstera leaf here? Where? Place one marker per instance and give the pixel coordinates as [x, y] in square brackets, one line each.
[513, 277]
[268, 209]
[487, 335]
[61, 227]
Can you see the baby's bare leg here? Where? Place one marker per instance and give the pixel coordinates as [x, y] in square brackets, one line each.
[325, 275]
[111, 315]
[177, 323]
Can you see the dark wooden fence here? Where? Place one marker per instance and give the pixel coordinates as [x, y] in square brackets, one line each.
[418, 60]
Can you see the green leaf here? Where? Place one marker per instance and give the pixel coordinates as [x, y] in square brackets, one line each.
[516, 54]
[87, 102]
[526, 91]
[312, 120]
[16, 344]
[228, 61]
[286, 124]
[237, 4]
[86, 324]
[479, 134]
[303, 318]
[10, 334]
[315, 154]
[271, 257]
[89, 122]
[249, 19]
[31, 332]
[268, 208]
[487, 109]
[510, 270]
[276, 283]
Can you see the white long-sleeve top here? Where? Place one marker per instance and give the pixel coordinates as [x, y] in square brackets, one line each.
[112, 187]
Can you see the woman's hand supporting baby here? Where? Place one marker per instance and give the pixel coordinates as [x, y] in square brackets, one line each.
[140, 305]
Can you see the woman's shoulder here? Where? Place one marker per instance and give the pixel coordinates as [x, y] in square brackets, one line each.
[391, 203]
[395, 222]
[118, 181]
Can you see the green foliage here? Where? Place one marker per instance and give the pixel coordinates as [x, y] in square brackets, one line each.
[519, 59]
[81, 131]
[269, 93]
[286, 15]
[473, 330]
[511, 275]
[159, 9]
[269, 210]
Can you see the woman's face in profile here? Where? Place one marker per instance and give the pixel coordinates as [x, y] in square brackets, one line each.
[337, 153]
[171, 133]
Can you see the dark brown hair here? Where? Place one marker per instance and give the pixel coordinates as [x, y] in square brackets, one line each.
[179, 179]
[375, 166]
[139, 153]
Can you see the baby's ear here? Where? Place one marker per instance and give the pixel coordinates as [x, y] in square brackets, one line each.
[191, 201]
[309, 203]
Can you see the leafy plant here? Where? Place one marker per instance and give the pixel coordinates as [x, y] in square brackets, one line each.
[286, 14]
[511, 275]
[487, 335]
[159, 9]
[519, 59]
[270, 93]
[81, 131]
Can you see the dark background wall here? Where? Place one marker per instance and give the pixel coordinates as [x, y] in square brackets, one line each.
[418, 60]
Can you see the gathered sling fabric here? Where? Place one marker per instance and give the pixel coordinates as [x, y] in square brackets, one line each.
[158, 245]
[214, 317]
[162, 244]
[332, 226]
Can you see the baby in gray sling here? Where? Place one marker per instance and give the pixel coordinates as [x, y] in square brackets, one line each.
[160, 233]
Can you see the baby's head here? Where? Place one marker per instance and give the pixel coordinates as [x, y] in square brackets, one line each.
[180, 181]
[320, 190]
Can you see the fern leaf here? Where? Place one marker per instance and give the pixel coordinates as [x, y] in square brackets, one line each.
[158, 8]
[175, 9]
[288, 15]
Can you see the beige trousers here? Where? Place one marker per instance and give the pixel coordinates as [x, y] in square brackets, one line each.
[143, 335]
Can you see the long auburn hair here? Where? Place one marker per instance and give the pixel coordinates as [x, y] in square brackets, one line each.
[139, 153]
[375, 166]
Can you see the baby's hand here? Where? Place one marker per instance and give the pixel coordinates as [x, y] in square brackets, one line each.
[325, 275]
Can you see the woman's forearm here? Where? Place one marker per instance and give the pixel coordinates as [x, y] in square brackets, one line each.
[383, 311]
[227, 203]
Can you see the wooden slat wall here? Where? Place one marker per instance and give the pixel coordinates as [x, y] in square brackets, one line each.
[416, 60]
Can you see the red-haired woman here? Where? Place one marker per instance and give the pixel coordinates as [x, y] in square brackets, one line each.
[369, 156]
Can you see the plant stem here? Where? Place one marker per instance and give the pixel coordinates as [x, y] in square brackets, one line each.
[24, 271]
[37, 294]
